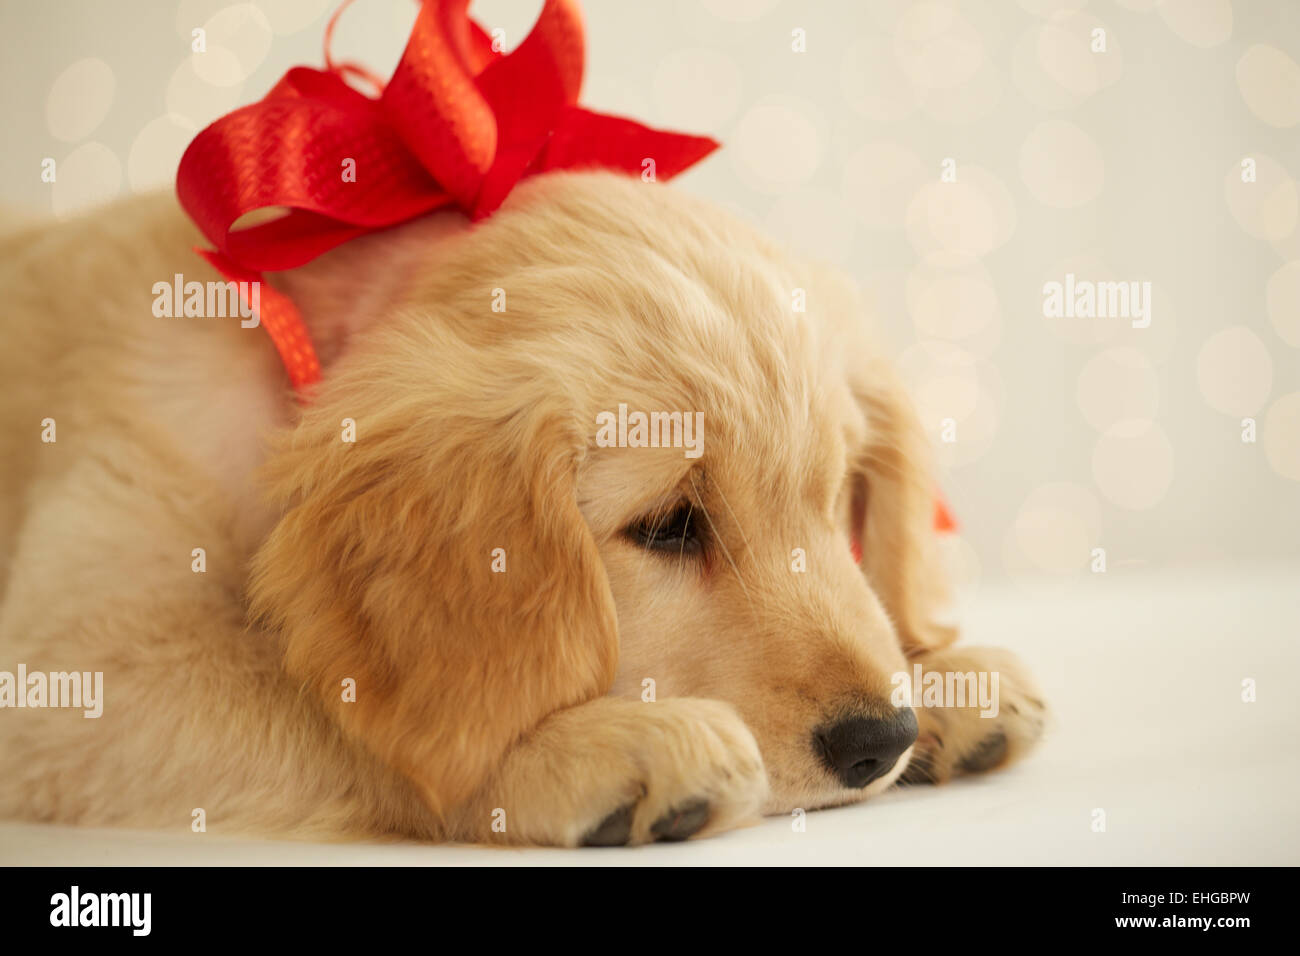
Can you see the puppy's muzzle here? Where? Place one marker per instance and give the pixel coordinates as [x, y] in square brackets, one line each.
[862, 749]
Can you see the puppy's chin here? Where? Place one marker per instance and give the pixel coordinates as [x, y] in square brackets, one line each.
[780, 803]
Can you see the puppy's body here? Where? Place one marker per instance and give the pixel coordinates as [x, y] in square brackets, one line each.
[159, 425]
[465, 563]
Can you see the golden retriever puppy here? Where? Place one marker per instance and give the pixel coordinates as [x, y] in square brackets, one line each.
[462, 591]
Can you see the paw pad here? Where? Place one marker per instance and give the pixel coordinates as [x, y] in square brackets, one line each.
[614, 830]
[682, 822]
[988, 754]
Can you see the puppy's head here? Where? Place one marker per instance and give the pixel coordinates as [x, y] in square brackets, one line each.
[612, 440]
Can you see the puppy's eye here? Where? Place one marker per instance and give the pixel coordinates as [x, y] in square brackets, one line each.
[673, 532]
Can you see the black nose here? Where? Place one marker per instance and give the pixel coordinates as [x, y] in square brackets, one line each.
[862, 749]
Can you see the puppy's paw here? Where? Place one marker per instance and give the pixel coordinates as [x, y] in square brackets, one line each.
[616, 772]
[976, 739]
[691, 767]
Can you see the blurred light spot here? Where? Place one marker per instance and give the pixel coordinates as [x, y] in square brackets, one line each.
[290, 16]
[1269, 81]
[697, 89]
[156, 152]
[968, 103]
[1282, 299]
[1281, 436]
[1033, 82]
[1061, 165]
[1156, 341]
[79, 99]
[1058, 526]
[777, 144]
[89, 176]
[1117, 385]
[1234, 371]
[238, 39]
[879, 180]
[1266, 208]
[936, 46]
[952, 297]
[195, 13]
[1066, 56]
[973, 215]
[943, 380]
[192, 97]
[813, 223]
[873, 82]
[975, 432]
[1133, 464]
[1203, 23]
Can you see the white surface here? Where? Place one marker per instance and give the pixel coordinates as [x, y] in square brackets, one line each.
[1144, 673]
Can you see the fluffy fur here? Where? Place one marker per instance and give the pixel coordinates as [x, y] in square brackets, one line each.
[480, 696]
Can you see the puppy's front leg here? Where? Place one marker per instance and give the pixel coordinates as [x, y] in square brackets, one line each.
[614, 771]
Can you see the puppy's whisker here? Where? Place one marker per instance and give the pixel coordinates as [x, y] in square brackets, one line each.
[690, 510]
[762, 630]
[726, 552]
[739, 528]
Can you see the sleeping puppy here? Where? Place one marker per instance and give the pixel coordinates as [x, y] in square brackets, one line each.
[458, 593]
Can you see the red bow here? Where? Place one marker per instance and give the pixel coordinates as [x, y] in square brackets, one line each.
[458, 124]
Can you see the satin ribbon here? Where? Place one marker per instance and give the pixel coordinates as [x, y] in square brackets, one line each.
[457, 125]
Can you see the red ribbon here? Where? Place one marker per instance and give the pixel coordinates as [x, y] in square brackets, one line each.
[943, 519]
[457, 125]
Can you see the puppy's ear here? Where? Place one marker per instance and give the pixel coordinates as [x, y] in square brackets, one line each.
[894, 490]
[896, 497]
[438, 561]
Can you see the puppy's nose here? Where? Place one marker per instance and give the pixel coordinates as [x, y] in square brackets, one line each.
[862, 749]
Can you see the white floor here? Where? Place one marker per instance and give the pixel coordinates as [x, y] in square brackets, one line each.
[1145, 674]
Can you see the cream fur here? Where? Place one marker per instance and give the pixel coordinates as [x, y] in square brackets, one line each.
[476, 692]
